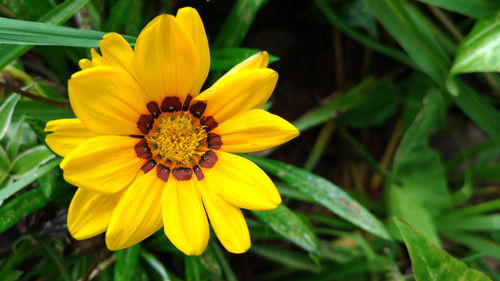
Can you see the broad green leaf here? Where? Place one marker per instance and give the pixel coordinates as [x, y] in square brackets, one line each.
[224, 59]
[21, 32]
[417, 186]
[433, 264]
[30, 159]
[324, 193]
[6, 111]
[48, 182]
[127, 263]
[478, 52]
[157, 267]
[474, 9]
[4, 165]
[27, 178]
[26, 203]
[56, 16]
[348, 100]
[285, 257]
[39, 111]
[237, 23]
[285, 222]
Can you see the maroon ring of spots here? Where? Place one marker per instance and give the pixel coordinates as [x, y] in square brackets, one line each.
[163, 172]
[171, 104]
[182, 173]
[153, 108]
[145, 123]
[214, 141]
[198, 173]
[142, 149]
[198, 108]
[187, 102]
[208, 159]
[148, 166]
[209, 122]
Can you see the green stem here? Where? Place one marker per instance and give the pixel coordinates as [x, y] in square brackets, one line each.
[319, 146]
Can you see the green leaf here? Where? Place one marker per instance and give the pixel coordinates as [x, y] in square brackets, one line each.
[470, 223]
[156, 266]
[237, 24]
[56, 16]
[16, 140]
[127, 263]
[26, 203]
[347, 101]
[48, 182]
[433, 264]
[285, 257]
[474, 9]
[119, 15]
[285, 222]
[415, 36]
[27, 178]
[417, 186]
[324, 193]
[476, 242]
[224, 59]
[376, 108]
[478, 52]
[204, 267]
[21, 32]
[30, 159]
[6, 111]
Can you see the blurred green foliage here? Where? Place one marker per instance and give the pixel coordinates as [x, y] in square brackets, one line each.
[410, 195]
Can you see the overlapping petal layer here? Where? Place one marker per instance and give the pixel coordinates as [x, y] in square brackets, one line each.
[104, 164]
[138, 214]
[67, 135]
[89, 212]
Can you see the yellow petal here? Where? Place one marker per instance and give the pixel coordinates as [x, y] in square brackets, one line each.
[190, 20]
[104, 164]
[259, 60]
[241, 183]
[184, 219]
[85, 63]
[255, 130]
[107, 100]
[239, 92]
[166, 59]
[67, 135]
[89, 213]
[226, 220]
[138, 214]
[117, 52]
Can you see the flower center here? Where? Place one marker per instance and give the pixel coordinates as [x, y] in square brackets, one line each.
[176, 139]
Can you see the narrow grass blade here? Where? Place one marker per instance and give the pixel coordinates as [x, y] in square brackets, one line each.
[6, 111]
[127, 263]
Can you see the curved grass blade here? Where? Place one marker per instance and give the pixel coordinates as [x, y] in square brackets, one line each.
[127, 263]
[473, 9]
[6, 111]
[324, 193]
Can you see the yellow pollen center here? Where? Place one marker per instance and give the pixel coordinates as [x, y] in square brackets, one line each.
[177, 139]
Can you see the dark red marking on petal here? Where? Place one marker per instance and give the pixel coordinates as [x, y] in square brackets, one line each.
[208, 159]
[182, 174]
[198, 173]
[163, 172]
[148, 166]
[198, 108]
[145, 123]
[137, 136]
[171, 104]
[187, 102]
[142, 149]
[154, 109]
[214, 141]
[209, 122]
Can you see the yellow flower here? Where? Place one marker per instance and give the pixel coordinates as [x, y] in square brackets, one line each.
[148, 151]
